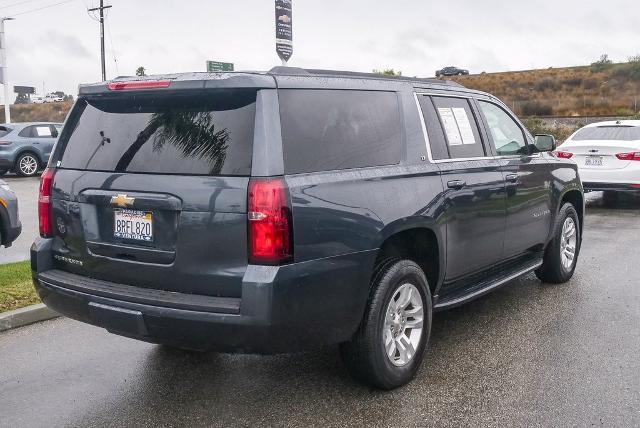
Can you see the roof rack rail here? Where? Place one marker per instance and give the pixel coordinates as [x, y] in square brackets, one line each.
[289, 71]
[294, 71]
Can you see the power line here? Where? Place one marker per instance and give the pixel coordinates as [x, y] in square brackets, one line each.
[42, 7]
[18, 3]
[113, 49]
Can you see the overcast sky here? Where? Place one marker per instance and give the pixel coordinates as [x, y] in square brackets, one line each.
[60, 45]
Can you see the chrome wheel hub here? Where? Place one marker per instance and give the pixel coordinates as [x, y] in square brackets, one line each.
[403, 322]
[28, 165]
[568, 241]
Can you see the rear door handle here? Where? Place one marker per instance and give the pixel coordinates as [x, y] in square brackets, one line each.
[456, 184]
[512, 178]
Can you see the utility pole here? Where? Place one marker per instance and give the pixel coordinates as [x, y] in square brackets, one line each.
[4, 76]
[101, 9]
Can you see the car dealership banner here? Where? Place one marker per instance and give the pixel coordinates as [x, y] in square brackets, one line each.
[284, 30]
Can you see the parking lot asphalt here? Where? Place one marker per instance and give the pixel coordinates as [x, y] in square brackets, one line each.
[27, 191]
[528, 354]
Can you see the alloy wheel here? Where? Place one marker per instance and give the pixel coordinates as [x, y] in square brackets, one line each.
[28, 165]
[568, 241]
[403, 324]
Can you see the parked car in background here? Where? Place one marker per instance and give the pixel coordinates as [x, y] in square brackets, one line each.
[294, 209]
[53, 98]
[37, 99]
[10, 226]
[451, 71]
[25, 147]
[608, 156]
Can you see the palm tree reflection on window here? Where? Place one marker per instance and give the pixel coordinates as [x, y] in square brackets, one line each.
[193, 133]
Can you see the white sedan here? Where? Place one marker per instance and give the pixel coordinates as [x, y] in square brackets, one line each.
[607, 154]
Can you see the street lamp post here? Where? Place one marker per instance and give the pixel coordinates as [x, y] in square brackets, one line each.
[4, 76]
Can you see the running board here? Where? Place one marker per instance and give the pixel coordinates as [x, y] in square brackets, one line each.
[490, 286]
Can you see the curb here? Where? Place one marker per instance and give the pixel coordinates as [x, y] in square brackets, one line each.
[25, 316]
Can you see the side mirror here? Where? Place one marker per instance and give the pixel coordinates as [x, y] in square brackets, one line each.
[545, 142]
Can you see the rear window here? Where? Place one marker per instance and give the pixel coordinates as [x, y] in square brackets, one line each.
[4, 131]
[620, 133]
[208, 133]
[325, 130]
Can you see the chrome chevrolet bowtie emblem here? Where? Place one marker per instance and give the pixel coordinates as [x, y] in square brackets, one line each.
[122, 201]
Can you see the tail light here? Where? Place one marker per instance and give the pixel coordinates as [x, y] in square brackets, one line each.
[45, 218]
[138, 84]
[270, 225]
[632, 156]
[562, 155]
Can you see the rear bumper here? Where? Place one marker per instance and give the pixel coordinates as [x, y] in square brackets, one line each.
[12, 234]
[618, 187]
[282, 308]
[10, 230]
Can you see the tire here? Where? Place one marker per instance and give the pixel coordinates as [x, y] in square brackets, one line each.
[556, 267]
[610, 198]
[3, 172]
[27, 165]
[365, 355]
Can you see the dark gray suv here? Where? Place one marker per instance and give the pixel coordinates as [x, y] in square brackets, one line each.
[281, 211]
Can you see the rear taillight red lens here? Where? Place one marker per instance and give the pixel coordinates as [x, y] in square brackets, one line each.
[632, 156]
[138, 84]
[44, 204]
[562, 155]
[269, 217]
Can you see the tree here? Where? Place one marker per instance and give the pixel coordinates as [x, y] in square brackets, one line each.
[634, 59]
[602, 64]
[141, 71]
[193, 133]
[388, 72]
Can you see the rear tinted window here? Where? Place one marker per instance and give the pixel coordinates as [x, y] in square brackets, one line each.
[325, 130]
[4, 131]
[206, 133]
[620, 133]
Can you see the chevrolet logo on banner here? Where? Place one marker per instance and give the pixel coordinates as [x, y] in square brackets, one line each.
[122, 201]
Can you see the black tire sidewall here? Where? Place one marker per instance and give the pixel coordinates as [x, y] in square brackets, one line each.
[400, 273]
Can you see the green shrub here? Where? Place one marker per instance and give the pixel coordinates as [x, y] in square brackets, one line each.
[546, 84]
[602, 64]
[536, 108]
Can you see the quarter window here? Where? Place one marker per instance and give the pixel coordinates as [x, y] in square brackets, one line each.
[325, 130]
[506, 134]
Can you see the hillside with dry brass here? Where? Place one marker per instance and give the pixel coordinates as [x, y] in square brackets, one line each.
[50, 112]
[596, 90]
[602, 89]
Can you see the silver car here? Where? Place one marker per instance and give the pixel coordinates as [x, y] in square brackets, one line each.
[25, 147]
[10, 226]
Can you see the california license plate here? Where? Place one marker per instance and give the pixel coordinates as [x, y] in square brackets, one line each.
[132, 224]
[593, 161]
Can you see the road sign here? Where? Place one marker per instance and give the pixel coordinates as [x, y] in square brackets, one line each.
[284, 30]
[24, 89]
[216, 66]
